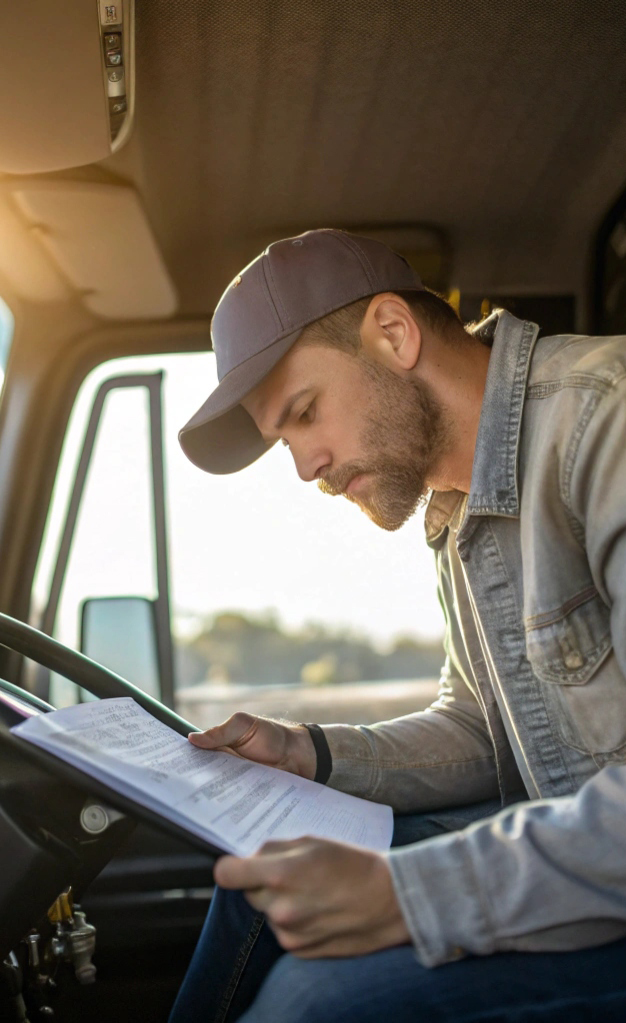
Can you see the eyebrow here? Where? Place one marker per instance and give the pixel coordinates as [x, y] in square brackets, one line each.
[288, 406]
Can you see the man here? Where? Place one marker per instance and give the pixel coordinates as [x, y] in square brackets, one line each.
[329, 343]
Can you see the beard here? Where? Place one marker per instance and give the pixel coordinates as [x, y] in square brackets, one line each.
[406, 431]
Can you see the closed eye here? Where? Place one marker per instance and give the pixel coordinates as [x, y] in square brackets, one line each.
[308, 414]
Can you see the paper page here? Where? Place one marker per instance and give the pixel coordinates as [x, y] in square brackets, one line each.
[233, 803]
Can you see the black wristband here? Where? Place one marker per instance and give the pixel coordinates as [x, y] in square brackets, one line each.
[322, 750]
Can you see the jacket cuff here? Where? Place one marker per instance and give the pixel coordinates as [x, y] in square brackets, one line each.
[440, 900]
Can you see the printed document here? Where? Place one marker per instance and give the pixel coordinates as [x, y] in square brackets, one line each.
[235, 804]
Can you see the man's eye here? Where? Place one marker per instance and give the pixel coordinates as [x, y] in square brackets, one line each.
[307, 415]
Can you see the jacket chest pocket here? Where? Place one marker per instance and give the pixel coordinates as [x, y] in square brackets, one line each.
[570, 652]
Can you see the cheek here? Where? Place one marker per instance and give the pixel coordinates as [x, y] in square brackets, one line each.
[346, 438]
[344, 422]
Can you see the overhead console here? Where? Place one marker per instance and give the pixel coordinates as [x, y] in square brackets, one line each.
[67, 78]
[116, 28]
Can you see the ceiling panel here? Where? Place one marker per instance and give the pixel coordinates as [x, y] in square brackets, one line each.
[502, 123]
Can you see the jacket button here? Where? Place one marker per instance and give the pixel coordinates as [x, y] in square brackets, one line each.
[573, 660]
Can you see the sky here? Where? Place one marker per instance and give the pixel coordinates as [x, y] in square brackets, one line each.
[253, 541]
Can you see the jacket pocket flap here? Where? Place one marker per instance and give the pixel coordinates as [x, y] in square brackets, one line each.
[567, 645]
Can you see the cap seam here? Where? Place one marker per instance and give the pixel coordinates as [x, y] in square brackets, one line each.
[362, 257]
[275, 293]
[270, 298]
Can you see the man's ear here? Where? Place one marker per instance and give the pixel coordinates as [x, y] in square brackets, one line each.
[389, 333]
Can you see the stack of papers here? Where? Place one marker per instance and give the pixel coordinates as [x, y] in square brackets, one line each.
[235, 804]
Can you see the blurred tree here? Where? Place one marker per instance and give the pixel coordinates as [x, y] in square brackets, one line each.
[233, 646]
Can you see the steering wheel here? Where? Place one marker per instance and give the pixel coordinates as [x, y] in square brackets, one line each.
[44, 847]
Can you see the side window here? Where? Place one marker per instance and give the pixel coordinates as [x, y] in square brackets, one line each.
[111, 549]
[282, 601]
[7, 325]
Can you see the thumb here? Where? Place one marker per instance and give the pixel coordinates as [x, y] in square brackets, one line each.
[229, 733]
[205, 740]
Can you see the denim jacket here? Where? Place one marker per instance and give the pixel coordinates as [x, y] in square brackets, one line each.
[532, 578]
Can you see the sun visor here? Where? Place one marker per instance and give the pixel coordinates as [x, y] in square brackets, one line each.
[67, 77]
[101, 242]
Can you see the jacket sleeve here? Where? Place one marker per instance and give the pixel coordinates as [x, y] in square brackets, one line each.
[544, 876]
[435, 758]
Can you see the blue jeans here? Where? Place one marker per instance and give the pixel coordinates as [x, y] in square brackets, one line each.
[239, 972]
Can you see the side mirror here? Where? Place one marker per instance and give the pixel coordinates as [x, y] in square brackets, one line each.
[121, 634]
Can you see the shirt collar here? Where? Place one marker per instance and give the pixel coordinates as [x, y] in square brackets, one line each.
[494, 489]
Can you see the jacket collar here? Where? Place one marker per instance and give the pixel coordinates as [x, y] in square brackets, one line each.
[494, 489]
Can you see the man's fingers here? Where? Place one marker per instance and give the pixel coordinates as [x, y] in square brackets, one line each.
[297, 927]
[311, 891]
[272, 866]
[246, 873]
[230, 733]
[283, 845]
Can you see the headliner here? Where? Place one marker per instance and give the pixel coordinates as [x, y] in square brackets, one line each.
[502, 123]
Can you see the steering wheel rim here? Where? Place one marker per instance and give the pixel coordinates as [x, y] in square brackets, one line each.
[94, 677]
[102, 683]
[45, 857]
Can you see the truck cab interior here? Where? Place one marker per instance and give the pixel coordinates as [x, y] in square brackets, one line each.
[148, 151]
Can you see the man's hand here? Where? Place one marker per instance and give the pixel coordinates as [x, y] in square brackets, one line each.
[289, 747]
[320, 898]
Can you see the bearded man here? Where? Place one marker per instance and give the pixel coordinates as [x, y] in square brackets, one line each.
[329, 343]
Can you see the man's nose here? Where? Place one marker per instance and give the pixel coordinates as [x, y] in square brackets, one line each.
[309, 464]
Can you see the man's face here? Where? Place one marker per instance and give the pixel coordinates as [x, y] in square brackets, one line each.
[355, 426]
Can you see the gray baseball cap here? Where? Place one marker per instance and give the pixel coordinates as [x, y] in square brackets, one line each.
[262, 314]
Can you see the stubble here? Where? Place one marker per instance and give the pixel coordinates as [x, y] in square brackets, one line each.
[406, 431]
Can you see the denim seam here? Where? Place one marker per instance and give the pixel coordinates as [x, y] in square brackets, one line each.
[386, 764]
[512, 623]
[424, 927]
[576, 380]
[513, 601]
[569, 461]
[529, 335]
[378, 779]
[578, 528]
[557, 614]
[240, 965]
[483, 901]
[496, 485]
[508, 603]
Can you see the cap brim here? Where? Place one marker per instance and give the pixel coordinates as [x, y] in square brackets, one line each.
[221, 437]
